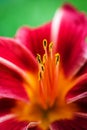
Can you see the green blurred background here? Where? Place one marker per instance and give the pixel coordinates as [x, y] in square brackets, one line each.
[16, 13]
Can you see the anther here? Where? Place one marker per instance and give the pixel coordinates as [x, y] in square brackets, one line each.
[42, 67]
[40, 75]
[50, 49]
[50, 46]
[39, 58]
[57, 58]
[45, 44]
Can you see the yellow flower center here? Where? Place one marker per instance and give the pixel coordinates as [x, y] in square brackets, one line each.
[47, 90]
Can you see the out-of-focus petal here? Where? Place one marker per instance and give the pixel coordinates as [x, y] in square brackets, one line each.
[9, 119]
[78, 123]
[11, 85]
[82, 70]
[79, 90]
[5, 106]
[69, 32]
[13, 124]
[17, 53]
[82, 105]
[33, 126]
[33, 38]
[78, 95]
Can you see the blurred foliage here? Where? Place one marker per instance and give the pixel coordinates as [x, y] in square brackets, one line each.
[16, 13]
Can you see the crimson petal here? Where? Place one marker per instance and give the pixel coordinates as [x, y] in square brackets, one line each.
[82, 105]
[82, 70]
[78, 123]
[69, 32]
[33, 38]
[5, 106]
[33, 126]
[78, 95]
[11, 85]
[13, 124]
[79, 90]
[17, 53]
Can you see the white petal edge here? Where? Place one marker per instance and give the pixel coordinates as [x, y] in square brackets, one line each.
[56, 25]
[6, 117]
[12, 66]
[78, 97]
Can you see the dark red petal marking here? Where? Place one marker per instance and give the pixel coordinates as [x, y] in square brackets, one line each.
[82, 70]
[5, 105]
[82, 105]
[78, 123]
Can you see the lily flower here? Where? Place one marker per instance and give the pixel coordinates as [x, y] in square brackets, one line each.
[43, 75]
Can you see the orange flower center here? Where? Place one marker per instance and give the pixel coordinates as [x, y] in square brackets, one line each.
[46, 90]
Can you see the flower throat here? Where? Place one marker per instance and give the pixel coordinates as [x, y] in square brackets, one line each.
[46, 92]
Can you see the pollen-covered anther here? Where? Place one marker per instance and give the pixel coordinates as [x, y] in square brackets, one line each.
[50, 46]
[42, 67]
[57, 58]
[40, 75]
[38, 58]
[45, 44]
[41, 71]
[51, 50]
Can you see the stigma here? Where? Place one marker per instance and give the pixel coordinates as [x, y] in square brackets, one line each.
[46, 90]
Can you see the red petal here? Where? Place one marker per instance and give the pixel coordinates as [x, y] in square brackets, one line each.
[82, 105]
[8, 119]
[13, 124]
[17, 53]
[78, 95]
[5, 106]
[82, 70]
[33, 126]
[33, 38]
[78, 123]
[69, 32]
[11, 85]
[79, 90]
